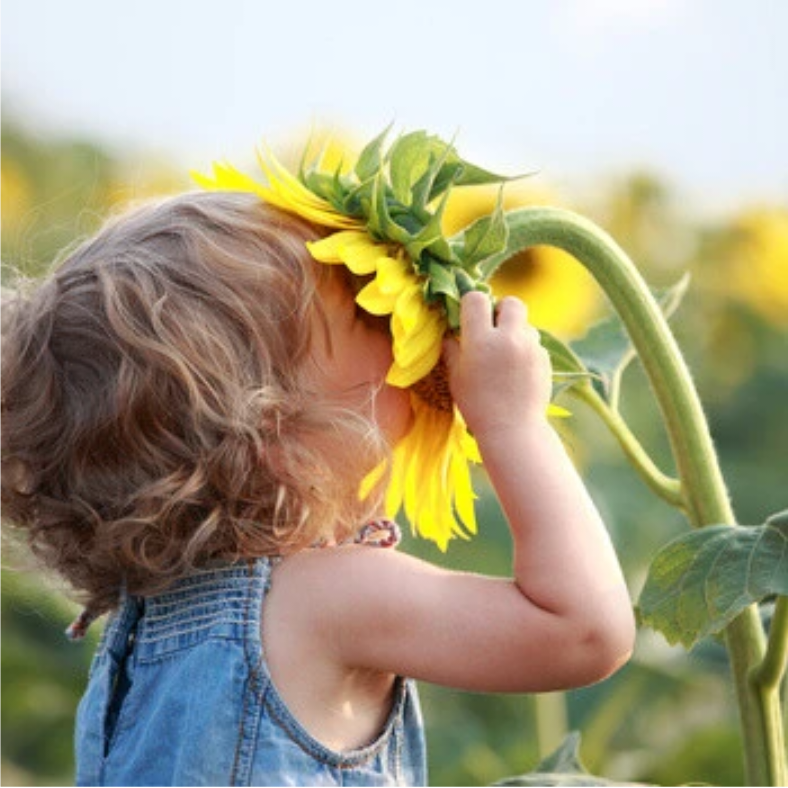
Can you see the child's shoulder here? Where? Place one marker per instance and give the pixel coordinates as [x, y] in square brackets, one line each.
[339, 575]
[346, 593]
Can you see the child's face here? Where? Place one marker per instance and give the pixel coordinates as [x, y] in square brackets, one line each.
[352, 355]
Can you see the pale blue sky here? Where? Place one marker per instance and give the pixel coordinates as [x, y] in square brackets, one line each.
[578, 89]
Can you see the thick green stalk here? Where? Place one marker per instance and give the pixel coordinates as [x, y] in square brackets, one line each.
[705, 496]
[551, 718]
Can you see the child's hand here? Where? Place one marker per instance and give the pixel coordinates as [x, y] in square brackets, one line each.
[499, 373]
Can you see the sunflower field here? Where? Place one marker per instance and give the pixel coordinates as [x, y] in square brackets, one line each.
[670, 716]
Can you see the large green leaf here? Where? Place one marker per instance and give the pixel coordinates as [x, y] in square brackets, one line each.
[606, 349]
[563, 767]
[699, 582]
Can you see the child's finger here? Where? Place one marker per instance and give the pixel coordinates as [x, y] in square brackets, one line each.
[511, 313]
[475, 313]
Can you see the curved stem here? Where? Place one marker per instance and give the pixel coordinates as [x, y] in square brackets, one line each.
[664, 486]
[704, 491]
[696, 461]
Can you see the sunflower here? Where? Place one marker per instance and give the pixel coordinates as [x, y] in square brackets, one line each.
[386, 212]
[755, 262]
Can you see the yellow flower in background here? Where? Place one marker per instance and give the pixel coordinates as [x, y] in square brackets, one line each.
[561, 295]
[153, 178]
[756, 264]
[17, 194]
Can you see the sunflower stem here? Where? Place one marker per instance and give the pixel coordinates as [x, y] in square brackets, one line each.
[551, 719]
[664, 486]
[705, 496]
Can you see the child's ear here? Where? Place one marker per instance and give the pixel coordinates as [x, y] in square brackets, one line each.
[16, 475]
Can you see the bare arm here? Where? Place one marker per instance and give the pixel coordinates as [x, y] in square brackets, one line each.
[564, 561]
[563, 620]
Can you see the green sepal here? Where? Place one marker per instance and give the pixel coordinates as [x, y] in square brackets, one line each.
[431, 236]
[457, 172]
[331, 188]
[441, 280]
[370, 159]
[486, 237]
[452, 314]
[379, 221]
[411, 160]
[358, 198]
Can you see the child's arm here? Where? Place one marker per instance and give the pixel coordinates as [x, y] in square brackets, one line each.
[564, 620]
[500, 376]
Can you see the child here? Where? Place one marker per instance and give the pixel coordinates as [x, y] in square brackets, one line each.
[189, 405]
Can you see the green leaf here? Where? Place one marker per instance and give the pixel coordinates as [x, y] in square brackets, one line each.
[485, 237]
[606, 349]
[568, 369]
[701, 581]
[563, 767]
[670, 298]
[562, 357]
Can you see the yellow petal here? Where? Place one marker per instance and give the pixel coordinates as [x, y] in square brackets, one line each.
[430, 479]
[411, 309]
[382, 295]
[371, 299]
[326, 250]
[405, 376]
[394, 275]
[464, 496]
[361, 254]
[287, 192]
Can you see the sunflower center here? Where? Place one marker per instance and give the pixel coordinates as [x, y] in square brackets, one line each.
[434, 388]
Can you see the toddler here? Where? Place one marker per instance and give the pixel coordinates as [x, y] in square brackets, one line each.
[190, 403]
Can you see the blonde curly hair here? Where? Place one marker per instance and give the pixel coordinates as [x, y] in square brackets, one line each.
[154, 414]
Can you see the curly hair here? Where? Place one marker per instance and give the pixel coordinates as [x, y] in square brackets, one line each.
[154, 414]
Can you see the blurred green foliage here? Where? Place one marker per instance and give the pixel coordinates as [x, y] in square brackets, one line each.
[667, 717]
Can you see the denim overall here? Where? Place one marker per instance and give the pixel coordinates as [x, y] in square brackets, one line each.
[180, 694]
